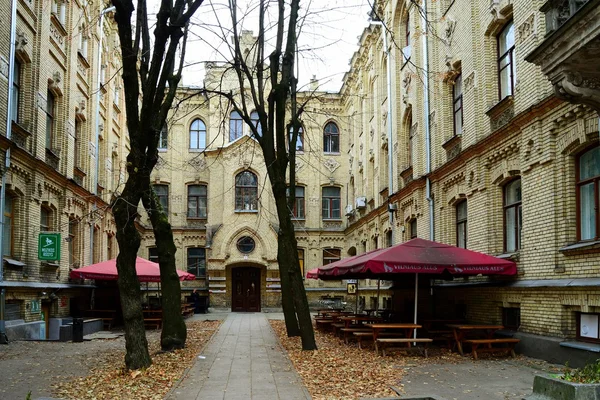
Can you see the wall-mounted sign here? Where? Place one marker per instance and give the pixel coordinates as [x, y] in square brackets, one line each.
[49, 246]
[35, 306]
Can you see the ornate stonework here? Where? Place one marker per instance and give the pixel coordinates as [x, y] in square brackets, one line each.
[331, 164]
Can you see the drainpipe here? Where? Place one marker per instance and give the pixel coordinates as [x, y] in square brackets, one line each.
[386, 50]
[99, 89]
[9, 111]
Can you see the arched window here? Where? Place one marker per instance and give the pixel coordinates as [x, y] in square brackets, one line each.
[256, 122]
[331, 138]
[299, 139]
[198, 135]
[331, 255]
[9, 222]
[588, 184]
[236, 127]
[506, 65]
[246, 191]
[163, 138]
[49, 120]
[461, 224]
[45, 219]
[512, 216]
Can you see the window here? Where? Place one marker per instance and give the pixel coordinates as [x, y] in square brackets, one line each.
[388, 239]
[49, 120]
[588, 185]
[506, 66]
[196, 201]
[45, 220]
[457, 95]
[298, 210]
[196, 261]
[109, 246]
[59, 10]
[588, 329]
[301, 261]
[511, 318]
[76, 145]
[331, 255]
[73, 246]
[411, 141]
[97, 246]
[461, 225]
[331, 138]
[16, 91]
[407, 29]
[331, 203]
[246, 244]
[198, 135]
[413, 228]
[299, 139]
[256, 122]
[236, 127]
[246, 191]
[162, 192]
[406, 50]
[163, 138]
[7, 234]
[512, 216]
[153, 254]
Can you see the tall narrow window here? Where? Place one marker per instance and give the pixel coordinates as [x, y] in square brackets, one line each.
[299, 139]
[196, 201]
[236, 126]
[49, 120]
[413, 228]
[301, 261]
[411, 142]
[407, 33]
[196, 261]
[388, 239]
[331, 138]
[331, 255]
[163, 138]
[588, 190]
[506, 65]
[512, 216]
[458, 105]
[73, 246]
[256, 122]
[461, 225]
[298, 210]
[331, 203]
[109, 246]
[16, 91]
[97, 246]
[45, 219]
[406, 50]
[198, 135]
[153, 254]
[162, 192]
[77, 144]
[7, 232]
[246, 191]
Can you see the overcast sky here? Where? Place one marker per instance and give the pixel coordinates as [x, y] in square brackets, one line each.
[329, 37]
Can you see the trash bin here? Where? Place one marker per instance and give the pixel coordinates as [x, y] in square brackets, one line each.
[78, 330]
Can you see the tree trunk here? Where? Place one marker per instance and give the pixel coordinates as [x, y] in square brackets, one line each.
[287, 299]
[125, 211]
[174, 331]
[287, 256]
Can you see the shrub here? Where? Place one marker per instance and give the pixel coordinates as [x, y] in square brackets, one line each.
[588, 374]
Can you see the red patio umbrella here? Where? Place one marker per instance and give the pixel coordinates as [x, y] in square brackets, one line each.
[147, 271]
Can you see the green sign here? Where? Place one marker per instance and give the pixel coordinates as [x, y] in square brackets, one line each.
[49, 246]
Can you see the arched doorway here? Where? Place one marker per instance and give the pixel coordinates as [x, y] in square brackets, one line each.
[245, 293]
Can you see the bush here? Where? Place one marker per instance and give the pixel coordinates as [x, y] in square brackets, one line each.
[588, 374]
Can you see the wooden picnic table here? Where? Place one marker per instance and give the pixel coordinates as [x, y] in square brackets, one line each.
[359, 319]
[428, 324]
[391, 326]
[107, 316]
[461, 331]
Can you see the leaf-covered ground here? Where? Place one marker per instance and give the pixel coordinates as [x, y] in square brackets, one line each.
[109, 380]
[340, 371]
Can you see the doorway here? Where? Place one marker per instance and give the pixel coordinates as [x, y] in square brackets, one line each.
[245, 289]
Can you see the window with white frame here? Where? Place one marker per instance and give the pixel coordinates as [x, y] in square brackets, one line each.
[198, 135]
[236, 126]
[512, 216]
[163, 138]
[506, 64]
[246, 191]
[588, 187]
[461, 224]
[457, 95]
[331, 138]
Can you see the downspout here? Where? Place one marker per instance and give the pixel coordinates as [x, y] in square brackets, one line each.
[99, 90]
[9, 111]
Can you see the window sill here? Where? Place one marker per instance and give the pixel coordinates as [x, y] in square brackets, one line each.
[162, 150]
[50, 264]
[332, 153]
[452, 141]
[196, 150]
[510, 256]
[587, 246]
[500, 106]
[10, 262]
[196, 218]
[332, 220]
[83, 59]
[593, 347]
[246, 211]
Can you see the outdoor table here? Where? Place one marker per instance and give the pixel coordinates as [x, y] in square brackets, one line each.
[406, 327]
[359, 319]
[429, 323]
[461, 330]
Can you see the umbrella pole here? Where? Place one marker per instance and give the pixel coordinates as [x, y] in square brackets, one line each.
[416, 298]
[378, 287]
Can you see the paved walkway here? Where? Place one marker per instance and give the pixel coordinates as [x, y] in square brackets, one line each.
[243, 361]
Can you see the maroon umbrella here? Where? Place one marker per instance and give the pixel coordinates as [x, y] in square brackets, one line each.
[147, 271]
[419, 256]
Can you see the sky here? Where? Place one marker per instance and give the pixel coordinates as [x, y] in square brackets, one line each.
[329, 37]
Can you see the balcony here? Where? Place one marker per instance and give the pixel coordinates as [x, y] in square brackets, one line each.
[569, 55]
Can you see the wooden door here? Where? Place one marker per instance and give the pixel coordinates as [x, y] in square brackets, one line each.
[46, 317]
[245, 289]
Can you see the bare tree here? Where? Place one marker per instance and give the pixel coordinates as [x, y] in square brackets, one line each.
[151, 73]
[266, 85]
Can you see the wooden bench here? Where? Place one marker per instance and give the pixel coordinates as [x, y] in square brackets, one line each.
[324, 323]
[475, 343]
[348, 331]
[337, 325]
[360, 336]
[154, 323]
[107, 323]
[442, 336]
[384, 341]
